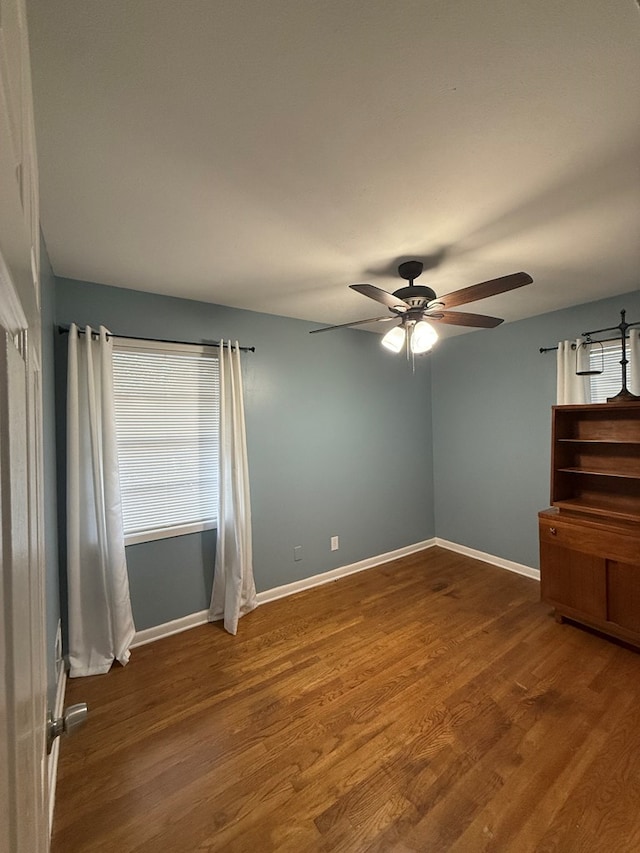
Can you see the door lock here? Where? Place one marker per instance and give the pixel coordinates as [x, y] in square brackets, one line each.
[73, 717]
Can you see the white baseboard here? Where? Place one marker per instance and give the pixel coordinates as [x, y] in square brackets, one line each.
[157, 632]
[149, 635]
[501, 563]
[55, 750]
[341, 572]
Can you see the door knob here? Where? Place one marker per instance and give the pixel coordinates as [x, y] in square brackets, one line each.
[73, 717]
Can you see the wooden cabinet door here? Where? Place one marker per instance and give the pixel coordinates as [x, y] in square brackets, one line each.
[623, 594]
[573, 579]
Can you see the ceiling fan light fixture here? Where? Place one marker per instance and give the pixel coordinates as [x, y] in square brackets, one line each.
[394, 339]
[423, 337]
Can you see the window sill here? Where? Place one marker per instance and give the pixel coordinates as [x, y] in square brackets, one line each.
[167, 532]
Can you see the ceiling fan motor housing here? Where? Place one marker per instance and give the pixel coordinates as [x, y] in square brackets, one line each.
[416, 295]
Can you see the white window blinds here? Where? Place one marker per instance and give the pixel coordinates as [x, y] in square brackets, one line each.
[167, 403]
[609, 382]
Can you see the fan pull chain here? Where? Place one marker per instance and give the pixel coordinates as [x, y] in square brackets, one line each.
[410, 329]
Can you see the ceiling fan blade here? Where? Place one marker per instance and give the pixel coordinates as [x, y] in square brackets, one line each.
[355, 323]
[483, 290]
[388, 299]
[461, 318]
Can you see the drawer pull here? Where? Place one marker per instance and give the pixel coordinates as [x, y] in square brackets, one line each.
[552, 531]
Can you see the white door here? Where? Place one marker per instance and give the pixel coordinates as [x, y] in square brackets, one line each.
[23, 702]
[23, 794]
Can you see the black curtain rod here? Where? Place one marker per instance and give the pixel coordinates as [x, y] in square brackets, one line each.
[64, 330]
[598, 332]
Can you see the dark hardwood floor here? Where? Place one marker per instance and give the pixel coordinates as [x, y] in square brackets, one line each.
[431, 704]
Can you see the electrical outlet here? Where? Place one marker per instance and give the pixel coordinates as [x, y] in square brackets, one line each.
[335, 543]
[297, 552]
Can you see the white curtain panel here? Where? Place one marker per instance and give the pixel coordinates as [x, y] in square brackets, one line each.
[634, 360]
[234, 591]
[101, 625]
[571, 389]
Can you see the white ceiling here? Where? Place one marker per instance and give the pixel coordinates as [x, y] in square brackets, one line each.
[264, 155]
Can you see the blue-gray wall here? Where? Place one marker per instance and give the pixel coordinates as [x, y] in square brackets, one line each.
[492, 394]
[339, 441]
[47, 302]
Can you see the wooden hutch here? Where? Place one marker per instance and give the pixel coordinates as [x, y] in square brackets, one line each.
[590, 538]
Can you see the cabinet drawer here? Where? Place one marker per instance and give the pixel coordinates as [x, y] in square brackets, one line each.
[591, 540]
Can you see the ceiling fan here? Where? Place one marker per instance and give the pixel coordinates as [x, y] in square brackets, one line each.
[417, 306]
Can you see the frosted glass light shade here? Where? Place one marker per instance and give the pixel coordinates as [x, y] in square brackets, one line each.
[423, 337]
[394, 339]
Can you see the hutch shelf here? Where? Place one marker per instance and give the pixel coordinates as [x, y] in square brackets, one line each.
[590, 537]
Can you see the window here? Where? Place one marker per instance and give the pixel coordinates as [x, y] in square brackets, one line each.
[609, 382]
[167, 408]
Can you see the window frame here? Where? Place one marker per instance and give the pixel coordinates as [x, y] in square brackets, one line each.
[145, 345]
[594, 362]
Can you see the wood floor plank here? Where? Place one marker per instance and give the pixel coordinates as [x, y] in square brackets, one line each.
[431, 704]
